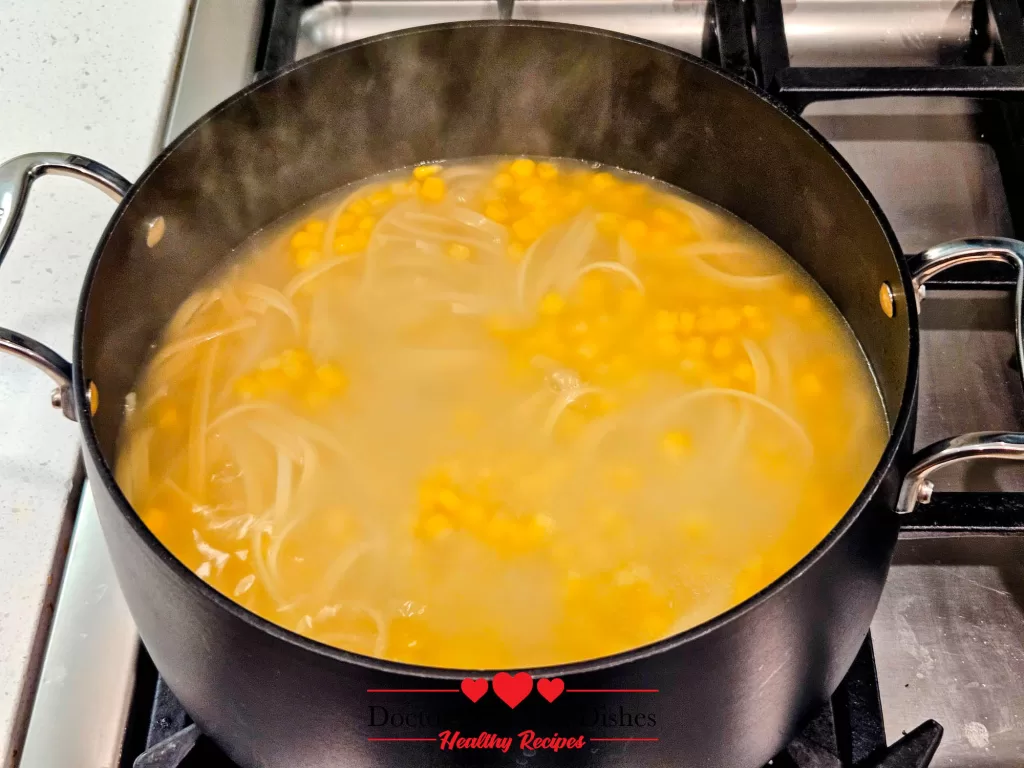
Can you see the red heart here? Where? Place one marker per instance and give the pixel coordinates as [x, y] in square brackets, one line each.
[550, 689]
[474, 689]
[512, 690]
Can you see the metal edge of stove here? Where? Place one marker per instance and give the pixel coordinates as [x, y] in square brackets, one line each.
[87, 673]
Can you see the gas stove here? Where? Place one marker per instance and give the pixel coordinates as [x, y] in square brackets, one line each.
[921, 97]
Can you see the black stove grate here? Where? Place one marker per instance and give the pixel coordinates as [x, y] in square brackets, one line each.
[848, 733]
[748, 38]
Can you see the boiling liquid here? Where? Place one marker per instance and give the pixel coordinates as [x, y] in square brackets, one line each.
[501, 414]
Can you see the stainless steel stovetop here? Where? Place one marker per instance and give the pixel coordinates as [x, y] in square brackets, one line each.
[949, 634]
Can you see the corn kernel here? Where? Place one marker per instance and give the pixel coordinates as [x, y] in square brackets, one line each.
[602, 181]
[676, 444]
[459, 252]
[552, 304]
[496, 211]
[547, 171]
[522, 168]
[366, 223]
[666, 321]
[695, 347]
[316, 226]
[743, 372]
[433, 190]
[499, 529]
[316, 396]
[750, 311]
[295, 363]
[332, 377]
[801, 303]
[420, 172]
[588, 350]
[345, 223]
[634, 229]
[515, 252]
[448, 500]
[660, 239]
[306, 258]
[437, 526]
[610, 224]
[668, 345]
[664, 217]
[727, 319]
[722, 348]
[533, 196]
[351, 243]
[472, 515]
[526, 229]
[359, 207]
[303, 239]
[503, 181]
[248, 387]
[687, 321]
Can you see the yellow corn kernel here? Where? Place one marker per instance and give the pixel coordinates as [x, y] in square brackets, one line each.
[366, 223]
[727, 319]
[359, 207]
[547, 171]
[743, 372]
[588, 350]
[472, 516]
[659, 238]
[404, 188]
[306, 258]
[676, 444]
[664, 217]
[332, 377]
[420, 172]
[295, 363]
[552, 304]
[631, 301]
[634, 229]
[167, 416]
[800, 303]
[668, 345]
[303, 239]
[522, 168]
[459, 252]
[503, 181]
[316, 226]
[687, 321]
[526, 229]
[533, 196]
[345, 223]
[810, 385]
[602, 181]
[723, 348]
[695, 347]
[591, 290]
[448, 500]
[666, 321]
[496, 211]
[750, 311]
[155, 519]
[248, 387]
[693, 370]
[499, 530]
[515, 252]
[316, 396]
[433, 190]
[437, 526]
[610, 224]
[379, 199]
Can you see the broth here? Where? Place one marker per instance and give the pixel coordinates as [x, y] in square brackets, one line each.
[501, 413]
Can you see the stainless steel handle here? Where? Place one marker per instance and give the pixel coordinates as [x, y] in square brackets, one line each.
[917, 488]
[16, 177]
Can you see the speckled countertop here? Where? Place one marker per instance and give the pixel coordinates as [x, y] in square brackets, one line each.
[92, 78]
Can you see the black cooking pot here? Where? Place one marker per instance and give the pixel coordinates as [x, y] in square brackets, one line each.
[729, 693]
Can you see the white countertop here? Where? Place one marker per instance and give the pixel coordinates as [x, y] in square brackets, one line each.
[92, 78]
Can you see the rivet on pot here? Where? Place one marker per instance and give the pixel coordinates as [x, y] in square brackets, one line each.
[155, 231]
[887, 300]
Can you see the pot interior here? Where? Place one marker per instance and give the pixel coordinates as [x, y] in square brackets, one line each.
[468, 90]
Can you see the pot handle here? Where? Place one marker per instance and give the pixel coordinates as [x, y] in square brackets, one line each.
[16, 177]
[917, 488]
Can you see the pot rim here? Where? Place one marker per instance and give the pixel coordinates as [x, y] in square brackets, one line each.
[207, 592]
